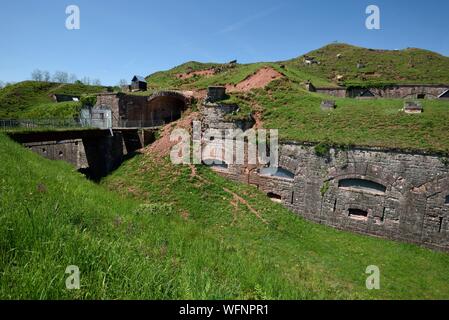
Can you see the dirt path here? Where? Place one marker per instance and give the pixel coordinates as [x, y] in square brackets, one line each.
[256, 81]
[236, 198]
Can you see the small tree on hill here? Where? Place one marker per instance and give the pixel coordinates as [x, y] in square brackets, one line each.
[46, 76]
[73, 78]
[61, 77]
[37, 75]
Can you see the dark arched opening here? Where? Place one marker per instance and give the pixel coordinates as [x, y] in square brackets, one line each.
[216, 164]
[277, 172]
[165, 109]
[274, 197]
[362, 185]
[358, 214]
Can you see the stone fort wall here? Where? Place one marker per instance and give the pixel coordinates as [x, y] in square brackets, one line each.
[400, 196]
[392, 194]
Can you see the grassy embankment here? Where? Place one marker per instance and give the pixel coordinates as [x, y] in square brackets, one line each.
[33, 100]
[161, 233]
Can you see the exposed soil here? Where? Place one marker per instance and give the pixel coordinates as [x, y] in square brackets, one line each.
[202, 73]
[258, 80]
[162, 147]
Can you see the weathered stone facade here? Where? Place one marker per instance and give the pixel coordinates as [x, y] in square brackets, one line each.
[143, 111]
[71, 151]
[400, 91]
[98, 156]
[393, 194]
[335, 92]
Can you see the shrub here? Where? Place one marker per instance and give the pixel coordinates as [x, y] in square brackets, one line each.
[322, 149]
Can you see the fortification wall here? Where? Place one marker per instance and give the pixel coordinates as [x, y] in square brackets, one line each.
[388, 92]
[390, 194]
[335, 92]
[97, 156]
[71, 151]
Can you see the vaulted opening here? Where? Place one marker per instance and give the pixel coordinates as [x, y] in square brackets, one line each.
[274, 197]
[367, 94]
[277, 172]
[166, 109]
[358, 214]
[216, 164]
[444, 95]
[362, 185]
[421, 96]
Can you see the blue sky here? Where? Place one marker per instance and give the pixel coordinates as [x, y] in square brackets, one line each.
[121, 38]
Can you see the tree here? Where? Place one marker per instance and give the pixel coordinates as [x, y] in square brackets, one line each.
[123, 83]
[37, 75]
[97, 82]
[73, 78]
[61, 77]
[46, 76]
[86, 80]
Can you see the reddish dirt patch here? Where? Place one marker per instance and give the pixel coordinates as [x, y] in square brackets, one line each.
[162, 147]
[201, 73]
[258, 80]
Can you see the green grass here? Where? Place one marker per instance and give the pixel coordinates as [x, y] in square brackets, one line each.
[377, 122]
[381, 66]
[285, 105]
[187, 242]
[23, 99]
[62, 110]
[168, 79]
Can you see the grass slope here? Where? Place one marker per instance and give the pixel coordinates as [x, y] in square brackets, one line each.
[23, 99]
[380, 66]
[286, 106]
[380, 122]
[173, 236]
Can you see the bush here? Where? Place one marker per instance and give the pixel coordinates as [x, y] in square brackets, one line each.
[322, 150]
[88, 100]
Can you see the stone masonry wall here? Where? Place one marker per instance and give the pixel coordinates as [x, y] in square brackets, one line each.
[392, 194]
[405, 196]
[71, 151]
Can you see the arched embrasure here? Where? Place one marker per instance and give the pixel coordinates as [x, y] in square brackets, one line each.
[362, 185]
[274, 197]
[277, 172]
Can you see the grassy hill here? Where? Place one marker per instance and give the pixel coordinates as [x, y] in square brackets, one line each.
[157, 231]
[34, 99]
[285, 104]
[377, 66]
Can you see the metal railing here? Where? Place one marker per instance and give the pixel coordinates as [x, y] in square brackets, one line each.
[140, 124]
[53, 124]
[37, 124]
